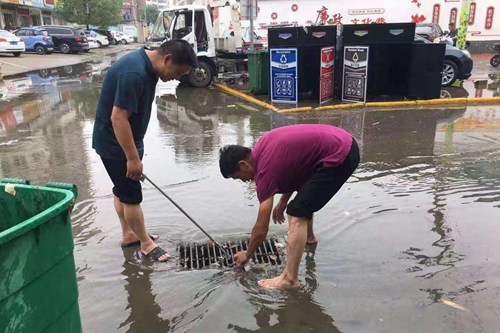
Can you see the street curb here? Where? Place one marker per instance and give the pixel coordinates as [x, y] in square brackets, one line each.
[245, 97]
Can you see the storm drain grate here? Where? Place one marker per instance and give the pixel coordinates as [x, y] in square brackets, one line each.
[202, 256]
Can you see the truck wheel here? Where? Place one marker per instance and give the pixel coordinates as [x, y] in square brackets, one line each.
[450, 73]
[40, 49]
[200, 76]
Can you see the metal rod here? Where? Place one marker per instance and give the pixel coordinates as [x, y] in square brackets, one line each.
[185, 214]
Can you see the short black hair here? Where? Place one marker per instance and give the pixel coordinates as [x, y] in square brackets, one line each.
[181, 51]
[452, 24]
[229, 158]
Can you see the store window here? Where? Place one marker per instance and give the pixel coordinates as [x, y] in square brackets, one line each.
[47, 19]
[35, 20]
[8, 19]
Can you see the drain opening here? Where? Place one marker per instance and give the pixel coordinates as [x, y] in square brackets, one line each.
[200, 256]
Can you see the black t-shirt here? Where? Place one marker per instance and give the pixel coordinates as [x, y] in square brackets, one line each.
[129, 84]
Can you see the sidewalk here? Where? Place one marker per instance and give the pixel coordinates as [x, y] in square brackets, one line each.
[28, 62]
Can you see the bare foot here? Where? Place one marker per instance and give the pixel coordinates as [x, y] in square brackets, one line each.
[279, 282]
[311, 241]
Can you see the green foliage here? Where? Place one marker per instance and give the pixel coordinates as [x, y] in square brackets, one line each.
[90, 12]
[152, 13]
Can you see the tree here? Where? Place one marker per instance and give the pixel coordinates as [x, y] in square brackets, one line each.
[152, 12]
[90, 12]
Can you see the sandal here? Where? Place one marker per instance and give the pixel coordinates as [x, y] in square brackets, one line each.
[156, 253]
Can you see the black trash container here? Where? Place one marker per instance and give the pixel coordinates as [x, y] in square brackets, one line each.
[398, 68]
[309, 40]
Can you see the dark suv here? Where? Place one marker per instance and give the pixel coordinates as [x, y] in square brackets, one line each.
[67, 39]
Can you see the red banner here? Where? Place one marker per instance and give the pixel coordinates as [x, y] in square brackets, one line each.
[436, 10]
[453, 15]
[472, 13]
[326, 74]
[489, 18]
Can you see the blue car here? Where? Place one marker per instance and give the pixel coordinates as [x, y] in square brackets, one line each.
[36, 39]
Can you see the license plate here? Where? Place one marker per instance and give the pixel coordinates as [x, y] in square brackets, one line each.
[13, 43]
[50, 49]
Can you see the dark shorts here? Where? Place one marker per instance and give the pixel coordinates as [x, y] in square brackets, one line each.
[323, 185]
[127, 190]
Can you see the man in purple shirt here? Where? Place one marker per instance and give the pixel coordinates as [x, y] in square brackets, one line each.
[315, 161]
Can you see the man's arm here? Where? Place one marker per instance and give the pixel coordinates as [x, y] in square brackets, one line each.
[279, 210]
[259, 231]
[123, 133]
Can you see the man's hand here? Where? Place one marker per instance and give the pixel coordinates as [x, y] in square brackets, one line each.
[134, 169]
[241, 258]
[279, 212]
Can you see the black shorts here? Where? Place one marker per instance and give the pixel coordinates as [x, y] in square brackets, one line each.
[323, 185]
[127, 190]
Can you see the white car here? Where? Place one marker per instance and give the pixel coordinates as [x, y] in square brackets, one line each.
[100, 39]
[10, 43]
[92, 42]
[122, 38]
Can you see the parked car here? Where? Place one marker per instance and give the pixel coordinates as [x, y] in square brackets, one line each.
[100, 39]
[10, 43]
[67, 39]
[458, 63]
[36, 40]
[429, 31]
[122, 38]
[92, 42]
[106, 33]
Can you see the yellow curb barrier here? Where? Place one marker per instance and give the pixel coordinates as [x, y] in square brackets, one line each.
[392, 104]
[301, 109]
[245, 97]
[483, 100]
[442, 101]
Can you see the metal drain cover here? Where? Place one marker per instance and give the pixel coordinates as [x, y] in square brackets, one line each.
[200, 256]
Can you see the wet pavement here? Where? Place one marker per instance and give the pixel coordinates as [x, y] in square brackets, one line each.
[410, 244]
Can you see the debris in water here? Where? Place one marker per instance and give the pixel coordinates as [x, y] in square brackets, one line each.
[454, 305]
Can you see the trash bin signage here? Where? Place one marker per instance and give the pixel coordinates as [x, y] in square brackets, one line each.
[355, 73]
[284, 75]
[326, 74]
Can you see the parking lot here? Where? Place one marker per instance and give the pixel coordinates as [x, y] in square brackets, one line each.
[11, 65]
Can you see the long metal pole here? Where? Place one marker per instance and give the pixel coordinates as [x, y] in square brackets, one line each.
[185, 213]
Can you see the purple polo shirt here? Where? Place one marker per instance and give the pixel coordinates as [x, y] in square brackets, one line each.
[286, 157]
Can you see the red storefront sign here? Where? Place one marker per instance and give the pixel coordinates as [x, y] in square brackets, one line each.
[436, 10]
[453, 15]
[489, 18]
[326, 74]
[472, 13]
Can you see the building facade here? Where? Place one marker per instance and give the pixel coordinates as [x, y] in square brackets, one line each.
[25, 13]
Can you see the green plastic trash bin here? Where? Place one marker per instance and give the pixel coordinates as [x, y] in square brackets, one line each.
[258, 68]
[38, 287]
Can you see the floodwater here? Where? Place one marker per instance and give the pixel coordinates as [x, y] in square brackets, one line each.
[410, 244]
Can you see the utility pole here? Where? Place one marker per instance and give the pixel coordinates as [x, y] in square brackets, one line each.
[250, 9]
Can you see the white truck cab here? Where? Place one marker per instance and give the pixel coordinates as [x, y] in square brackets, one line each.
[194, 24]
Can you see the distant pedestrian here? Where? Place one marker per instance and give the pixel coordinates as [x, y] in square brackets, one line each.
[122, 118]
[453, 34]
[313, 160]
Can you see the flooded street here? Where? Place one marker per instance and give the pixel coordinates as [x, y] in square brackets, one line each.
[410, 244]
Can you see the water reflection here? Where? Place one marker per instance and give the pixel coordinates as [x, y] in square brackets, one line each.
[298, 311]
[144, 312]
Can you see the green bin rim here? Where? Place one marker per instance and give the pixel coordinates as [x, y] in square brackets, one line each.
[40, 218]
